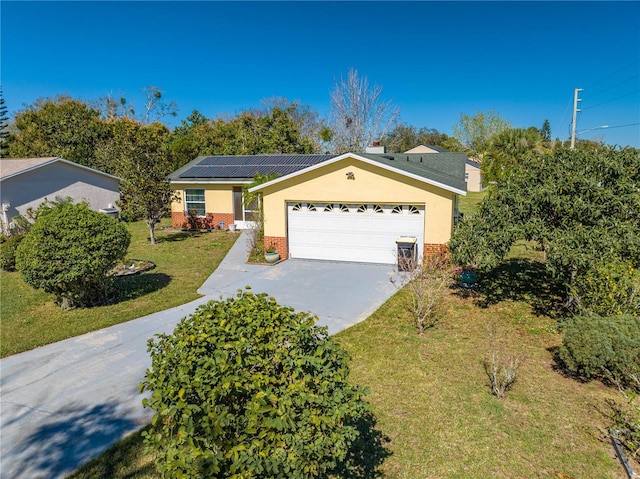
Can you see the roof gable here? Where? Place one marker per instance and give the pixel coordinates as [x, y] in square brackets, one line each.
[445, 171]
[426, 149]
[11, 167]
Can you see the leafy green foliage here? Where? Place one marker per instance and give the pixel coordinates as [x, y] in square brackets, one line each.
[609, 288]
[508, 148]
[475, 132]
[580, 207]
[61, 127]
[8, 248]
[139, 155]
[602, 347]
[246, 388]
[69, 251]
[404, 137]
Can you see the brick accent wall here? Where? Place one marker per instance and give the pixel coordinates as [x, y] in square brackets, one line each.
[434, 249]
[178, 220]
[280, 244]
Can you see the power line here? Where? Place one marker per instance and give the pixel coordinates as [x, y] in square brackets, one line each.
[613, 86]
[614, 99]
[613, 74]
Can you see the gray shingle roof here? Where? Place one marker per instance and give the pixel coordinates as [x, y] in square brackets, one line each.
[443, 168]
[446, 168]
[245, 166]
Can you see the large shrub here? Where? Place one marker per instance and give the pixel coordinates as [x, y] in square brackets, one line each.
[608, 348]
[8, 248]
[609, 289]
[69, 251]
[246, 388]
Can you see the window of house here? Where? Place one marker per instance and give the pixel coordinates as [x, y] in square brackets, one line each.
[194, 200]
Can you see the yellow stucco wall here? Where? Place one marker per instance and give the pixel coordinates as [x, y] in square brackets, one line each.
[372, 184]
[218, 198]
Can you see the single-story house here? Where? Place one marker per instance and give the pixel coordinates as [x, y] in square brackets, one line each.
[348, 207]
[472, 173]
[473, 176]
[27, 182]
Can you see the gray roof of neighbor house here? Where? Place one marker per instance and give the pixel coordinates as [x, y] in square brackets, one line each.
[441, 168]
[244, 167]
[10, 167]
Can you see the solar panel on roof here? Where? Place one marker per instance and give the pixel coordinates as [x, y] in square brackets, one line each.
[246, 166]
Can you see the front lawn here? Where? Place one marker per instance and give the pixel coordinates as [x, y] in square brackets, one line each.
[183, 262]
[432, 400]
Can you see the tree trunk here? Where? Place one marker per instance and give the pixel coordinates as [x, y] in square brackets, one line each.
[152, 231]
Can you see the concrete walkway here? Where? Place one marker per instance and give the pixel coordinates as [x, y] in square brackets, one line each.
[65, 403]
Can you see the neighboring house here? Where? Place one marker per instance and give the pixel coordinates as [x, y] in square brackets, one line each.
[27, 182]
[349, 207]
[426, 149]
[472, 173]
[473, 176]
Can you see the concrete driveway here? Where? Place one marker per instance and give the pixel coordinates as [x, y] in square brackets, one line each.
[65, 403]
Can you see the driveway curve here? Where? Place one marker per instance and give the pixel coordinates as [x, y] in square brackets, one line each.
[65, 403]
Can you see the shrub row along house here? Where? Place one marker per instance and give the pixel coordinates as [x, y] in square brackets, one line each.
[348, 207]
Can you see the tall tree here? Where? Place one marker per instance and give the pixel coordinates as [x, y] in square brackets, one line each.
[139, 155]
[4, 124]
[581, 207]
[404, 137]
[475, 132]
[508, 148]
[359, 114]
[307, 121]
[61, 127]
[154, 108]
[545, 131]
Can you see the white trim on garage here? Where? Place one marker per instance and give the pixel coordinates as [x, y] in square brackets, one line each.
[363, 232]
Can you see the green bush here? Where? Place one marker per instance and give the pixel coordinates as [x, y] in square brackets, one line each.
[8, 252]
[69, 251]
[609, 288]
[602, 347]
[246, 388]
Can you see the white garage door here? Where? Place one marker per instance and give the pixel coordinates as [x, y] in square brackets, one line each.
[352, 232]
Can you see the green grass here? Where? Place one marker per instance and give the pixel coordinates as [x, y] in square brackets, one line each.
[432, 400]
[469, 204]
[183, 261]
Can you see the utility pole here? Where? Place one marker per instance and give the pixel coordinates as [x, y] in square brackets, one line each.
[575, 116]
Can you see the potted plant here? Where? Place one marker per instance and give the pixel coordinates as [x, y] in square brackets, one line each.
[468, 277]
[271, 255]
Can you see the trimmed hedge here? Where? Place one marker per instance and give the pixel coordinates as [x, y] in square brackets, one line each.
[602, 347]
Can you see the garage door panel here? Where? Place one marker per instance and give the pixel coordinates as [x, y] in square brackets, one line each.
[353, 236]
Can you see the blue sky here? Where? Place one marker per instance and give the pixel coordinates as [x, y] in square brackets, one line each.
[434, 59]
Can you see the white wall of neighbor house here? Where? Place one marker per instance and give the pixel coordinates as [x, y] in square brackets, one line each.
[473, 177]
[57, 180]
